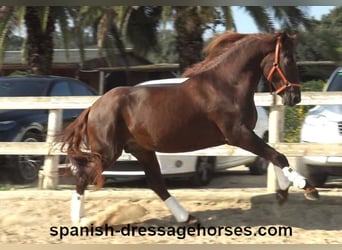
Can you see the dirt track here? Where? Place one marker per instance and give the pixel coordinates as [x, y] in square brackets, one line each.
[26, 215]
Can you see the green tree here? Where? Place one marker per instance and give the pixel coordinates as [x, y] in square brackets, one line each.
[333, 22]
[320, 41]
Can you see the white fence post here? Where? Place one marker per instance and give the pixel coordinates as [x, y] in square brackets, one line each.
[48, 177]
[275, 134]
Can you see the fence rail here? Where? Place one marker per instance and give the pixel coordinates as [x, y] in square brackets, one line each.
[289, 149]
[56, 104]
[81, 102]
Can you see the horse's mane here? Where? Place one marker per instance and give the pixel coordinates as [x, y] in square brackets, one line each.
[222, 42]
[217, 50]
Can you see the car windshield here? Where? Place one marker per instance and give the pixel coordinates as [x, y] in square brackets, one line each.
[13, 88]
[336, 83]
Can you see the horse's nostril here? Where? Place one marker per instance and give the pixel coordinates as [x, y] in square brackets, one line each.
[296, 99]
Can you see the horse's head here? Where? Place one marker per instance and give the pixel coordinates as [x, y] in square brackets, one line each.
[280, 70]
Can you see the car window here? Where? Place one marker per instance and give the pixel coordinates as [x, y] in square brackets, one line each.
[78, 89]
[21, 88]
[60, 88]
[336, 83]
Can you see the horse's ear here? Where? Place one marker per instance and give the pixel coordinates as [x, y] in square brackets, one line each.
[284, 37]
[294, 36]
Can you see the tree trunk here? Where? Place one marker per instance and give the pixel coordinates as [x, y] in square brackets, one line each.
[189, 41]
[39, 40]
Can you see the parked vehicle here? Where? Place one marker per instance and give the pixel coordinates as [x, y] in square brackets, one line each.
[30, 125]
[323, 124]
[199, 169]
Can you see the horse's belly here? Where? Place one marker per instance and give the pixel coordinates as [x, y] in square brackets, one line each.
[186, 139]
[176, 146]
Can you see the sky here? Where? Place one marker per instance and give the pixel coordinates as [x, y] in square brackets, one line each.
[248, 26]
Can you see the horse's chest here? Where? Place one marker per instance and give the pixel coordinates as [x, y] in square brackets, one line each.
[250, 119]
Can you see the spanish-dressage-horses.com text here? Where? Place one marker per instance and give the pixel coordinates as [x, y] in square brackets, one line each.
[179, 232]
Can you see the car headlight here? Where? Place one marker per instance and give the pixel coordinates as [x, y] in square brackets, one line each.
[7, 125]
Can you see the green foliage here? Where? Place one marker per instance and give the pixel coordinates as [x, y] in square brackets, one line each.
[20, 73]
[167, 52]
[321, 41]
[294, 116]
[6, 187]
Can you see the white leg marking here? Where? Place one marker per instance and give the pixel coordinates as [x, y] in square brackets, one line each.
[283, 181]
[73, 169]
[77, 207]
[293, 176]
[176, 209]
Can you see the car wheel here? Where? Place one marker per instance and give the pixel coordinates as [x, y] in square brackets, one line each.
[27, 166]
[315, 175]
[204, 172]
[258, 166]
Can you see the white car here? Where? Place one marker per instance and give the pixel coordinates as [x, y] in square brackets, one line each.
[323, 124]
[199, 169]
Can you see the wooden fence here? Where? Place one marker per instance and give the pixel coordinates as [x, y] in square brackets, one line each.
[55, 105]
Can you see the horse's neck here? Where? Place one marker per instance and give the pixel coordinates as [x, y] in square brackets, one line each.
[246, 72]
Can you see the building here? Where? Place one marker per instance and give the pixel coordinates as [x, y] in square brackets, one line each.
[96, 70]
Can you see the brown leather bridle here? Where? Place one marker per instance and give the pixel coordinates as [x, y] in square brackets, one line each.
[276, 68]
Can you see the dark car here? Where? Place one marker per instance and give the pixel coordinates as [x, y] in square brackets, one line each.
[30, 125]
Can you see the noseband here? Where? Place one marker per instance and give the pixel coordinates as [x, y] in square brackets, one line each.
[276, 68]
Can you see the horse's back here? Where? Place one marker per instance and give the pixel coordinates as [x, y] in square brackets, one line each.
[165, 119]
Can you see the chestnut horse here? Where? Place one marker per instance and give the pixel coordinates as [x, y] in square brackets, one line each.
[214, 106]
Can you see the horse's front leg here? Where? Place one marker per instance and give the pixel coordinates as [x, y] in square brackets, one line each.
[247, 139]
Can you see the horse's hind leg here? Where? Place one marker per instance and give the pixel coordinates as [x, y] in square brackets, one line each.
[157, 184]
[82, 180]
[88, 170]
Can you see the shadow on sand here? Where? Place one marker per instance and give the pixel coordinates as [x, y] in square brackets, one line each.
[265, 211]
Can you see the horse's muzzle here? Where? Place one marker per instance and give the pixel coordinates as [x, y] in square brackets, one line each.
[291, 98]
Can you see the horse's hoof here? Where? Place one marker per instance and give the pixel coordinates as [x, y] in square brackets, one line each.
[311, 194]
[192, 220]
[281, 196]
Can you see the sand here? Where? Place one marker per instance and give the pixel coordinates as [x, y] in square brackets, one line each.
[229, 215]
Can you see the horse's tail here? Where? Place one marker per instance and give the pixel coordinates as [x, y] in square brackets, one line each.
[75, 143]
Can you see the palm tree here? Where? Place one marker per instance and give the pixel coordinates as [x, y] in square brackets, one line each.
[40, 27]
[192, 21]
[189, 27]
[117, 26]
[10, 17]
[138, 24]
